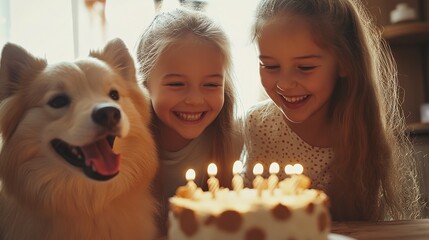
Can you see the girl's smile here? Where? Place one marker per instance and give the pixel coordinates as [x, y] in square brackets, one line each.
[190, 117]
[294, 102]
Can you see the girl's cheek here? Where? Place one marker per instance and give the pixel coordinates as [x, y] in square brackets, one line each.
[267, 82]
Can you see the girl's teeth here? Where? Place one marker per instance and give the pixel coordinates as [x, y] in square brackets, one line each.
[190, 116]
[295, 99]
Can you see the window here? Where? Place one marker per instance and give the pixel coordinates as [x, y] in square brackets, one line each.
[67, 29]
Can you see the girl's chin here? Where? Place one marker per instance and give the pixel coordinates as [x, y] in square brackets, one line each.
[291, 118]
[191, 135]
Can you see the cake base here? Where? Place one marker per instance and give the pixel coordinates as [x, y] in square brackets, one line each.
[247, 216]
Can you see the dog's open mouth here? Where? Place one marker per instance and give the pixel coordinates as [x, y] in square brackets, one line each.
[97, 159]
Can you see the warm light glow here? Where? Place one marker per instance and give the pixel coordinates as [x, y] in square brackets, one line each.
[190, 175]
[237, 168]
[289, 169]
[258, 169]
[298, 168]
[274, 168]
[295, 169]
[212, 169]
[92, 34]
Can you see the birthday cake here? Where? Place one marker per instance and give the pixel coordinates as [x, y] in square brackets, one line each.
[290, 210]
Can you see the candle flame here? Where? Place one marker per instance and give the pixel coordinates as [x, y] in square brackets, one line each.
[294, 169]
[258, 169]
[237, 168]
[212, 169]
[299, 169]
[190, 174]
[274, 168]
[289, 169]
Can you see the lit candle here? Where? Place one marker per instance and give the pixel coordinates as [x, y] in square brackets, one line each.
[273, 179]
[237, 180]
[189, 189]
[298, 168]
[190, 177]
[297, 181]
[258, 169]
[302, 181]
[212, 182]
[289, 169]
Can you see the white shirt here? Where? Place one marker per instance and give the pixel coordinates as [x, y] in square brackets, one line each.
[173, 165]
[269, 139]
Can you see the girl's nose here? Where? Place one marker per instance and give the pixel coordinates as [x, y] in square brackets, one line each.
[194, 97]
[286, 82]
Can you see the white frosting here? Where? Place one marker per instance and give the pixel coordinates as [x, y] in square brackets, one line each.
[255, 212]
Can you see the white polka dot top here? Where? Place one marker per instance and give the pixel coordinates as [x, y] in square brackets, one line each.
[269, 139]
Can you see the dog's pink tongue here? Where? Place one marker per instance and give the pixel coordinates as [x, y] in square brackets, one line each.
[101, 157]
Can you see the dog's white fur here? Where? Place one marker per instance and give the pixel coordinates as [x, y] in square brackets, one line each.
[45, 197]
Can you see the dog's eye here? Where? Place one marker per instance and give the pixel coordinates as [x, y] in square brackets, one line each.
[59, 101]
[114, 94]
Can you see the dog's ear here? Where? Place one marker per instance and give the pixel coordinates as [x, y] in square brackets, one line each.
[116, 54]
[17, 65]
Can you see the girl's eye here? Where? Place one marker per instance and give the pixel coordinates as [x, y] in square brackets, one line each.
[213, 85]
[269, 67]
[306, 67]
[175, 84]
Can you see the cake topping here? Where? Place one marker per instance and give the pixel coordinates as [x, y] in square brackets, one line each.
[281, 212]
[229, 221]
[255, 233]
[310, 207]
[326, 202]
[211, 219]
[176, 210]
[295, 184]
[188, 222]
[323, 221]
[304, 182]
[184, 192]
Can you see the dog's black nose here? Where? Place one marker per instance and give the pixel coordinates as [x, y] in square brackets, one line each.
[106, 115]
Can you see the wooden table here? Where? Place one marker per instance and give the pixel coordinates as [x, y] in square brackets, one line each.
[392, 230]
